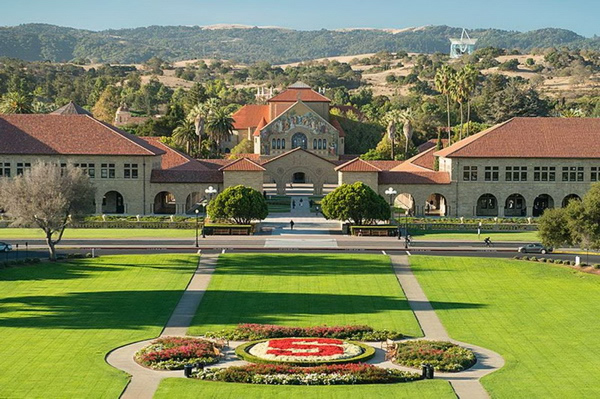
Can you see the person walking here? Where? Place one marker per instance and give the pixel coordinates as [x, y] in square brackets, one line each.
[293, 204]
[488, 242]
[292, 225]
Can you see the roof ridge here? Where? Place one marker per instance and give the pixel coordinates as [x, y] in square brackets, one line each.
[357, 159]
[294, 150]
[475, 137]
[123, 134]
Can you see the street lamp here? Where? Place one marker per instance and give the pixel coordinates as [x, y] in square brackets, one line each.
[197, 212]
[391, 192]
[209, 191]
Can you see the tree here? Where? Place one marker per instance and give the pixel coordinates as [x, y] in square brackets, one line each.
[239, 204]
[198, 114]
[470, 75]
[443, 83]
[553, 228]
[185, 136]
[49, 197]
[106, 106]
[459, 94]
[243, 147]
[16, 103]
[219, 126]
[438, 146]
[356, 203]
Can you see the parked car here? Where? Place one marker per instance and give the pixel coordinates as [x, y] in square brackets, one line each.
[535, 248]
[5, 247]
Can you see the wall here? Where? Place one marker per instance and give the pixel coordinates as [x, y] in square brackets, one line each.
[252, 179]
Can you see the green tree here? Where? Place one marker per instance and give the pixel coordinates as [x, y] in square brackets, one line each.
[47, 196]
[243, 147]
[219, 126]
[106, 106]
[356, 203]
[553, 228]
[239, 204]
[16, 103]
[184, 135]
[444, 78]
[438, 146]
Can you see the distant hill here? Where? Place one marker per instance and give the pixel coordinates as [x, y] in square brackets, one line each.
[39, 42]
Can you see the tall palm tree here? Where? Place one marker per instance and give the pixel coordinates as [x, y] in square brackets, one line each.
[185, 136]
[407, 129]
[392, 118]
[219, 126]
[16, 103]
[459, 94]
[198, 115]
[471, 75]
[444, 78]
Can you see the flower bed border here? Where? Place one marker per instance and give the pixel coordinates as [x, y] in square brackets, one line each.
[242, 352]
[438, 365]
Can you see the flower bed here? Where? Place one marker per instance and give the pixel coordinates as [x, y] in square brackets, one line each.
[337, 374]
[245, 332]
[443, 356]
[304, 351]
[173, 353]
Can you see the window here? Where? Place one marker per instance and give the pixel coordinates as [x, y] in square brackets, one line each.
[283, 144]
[274, 144]
[107, 170]
[22, 167]
[314, 144]
[470, 173]
[320, 144]
[324, 144]
[516, 173]
[593, 177]
[278, 144]
[5, 169]
[87, 168]
[544, 173]
[130, 171]
[572, 173]
[491, 173]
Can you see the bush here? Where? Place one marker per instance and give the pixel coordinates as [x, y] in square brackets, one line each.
[251, 332]
[533, 258]
[597, 266]
[517, 257]
[558, 261]
[443, 356]
[172, 353]
[338, 374]
[542, 260]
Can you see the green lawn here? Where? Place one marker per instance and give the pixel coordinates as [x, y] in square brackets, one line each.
[304, 290]
[524, 236]
[58, 321]
[541, 318]
[22, 233]
[180, 388]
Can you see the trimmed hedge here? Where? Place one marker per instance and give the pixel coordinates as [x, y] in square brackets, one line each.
[242, 352]
[443, 356]
[172, 353]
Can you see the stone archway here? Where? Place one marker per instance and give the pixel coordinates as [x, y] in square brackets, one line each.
[405, 201]
[436, 205]
[299, 140]
[515, 205]
[487, 205]
[569, 198]
[164, 203]
[541, 203]
[194, 201]
[113, 202]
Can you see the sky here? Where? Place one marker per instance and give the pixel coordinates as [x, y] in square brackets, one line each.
[580, 16]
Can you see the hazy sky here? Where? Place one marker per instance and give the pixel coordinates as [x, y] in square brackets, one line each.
[580, 16]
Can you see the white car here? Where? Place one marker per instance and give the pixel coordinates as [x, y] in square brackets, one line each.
[5, 247]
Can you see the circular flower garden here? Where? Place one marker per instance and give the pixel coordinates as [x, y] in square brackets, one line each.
[304, 351]
[172, 353]
[443, 356]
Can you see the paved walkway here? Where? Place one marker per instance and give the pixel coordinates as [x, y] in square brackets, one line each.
[144, 382]
[466, 383]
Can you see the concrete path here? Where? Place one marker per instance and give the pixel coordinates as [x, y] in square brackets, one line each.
[466, 383]
[144, 382]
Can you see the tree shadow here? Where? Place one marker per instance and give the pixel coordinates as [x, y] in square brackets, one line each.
[234, 307]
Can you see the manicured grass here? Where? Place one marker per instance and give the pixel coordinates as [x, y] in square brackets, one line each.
[541, 318]
[304, 290]
[21, 233]
[58, 321]
[180, 388]
[524, 236]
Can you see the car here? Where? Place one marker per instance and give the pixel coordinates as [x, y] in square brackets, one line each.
[536, 248]
[5, 247]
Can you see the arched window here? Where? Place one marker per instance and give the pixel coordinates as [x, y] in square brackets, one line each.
[283, 144]
[314, 144]
[320, 144]
[324, 144]
[273, 144]
[278, 144]
[299, 140]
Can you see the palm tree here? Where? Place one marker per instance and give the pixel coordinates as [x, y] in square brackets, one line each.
[16, 103]
[459, 94]
[393, 118]
[198, 115]
[443, 83]
[185, 136]
[471, 75]
[219, 126]
[407, 118]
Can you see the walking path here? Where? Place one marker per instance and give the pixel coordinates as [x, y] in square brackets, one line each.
[466, 383]
[144, 382]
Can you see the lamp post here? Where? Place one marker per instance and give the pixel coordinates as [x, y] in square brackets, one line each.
[197, 212]
[391, 192]
[209, 191]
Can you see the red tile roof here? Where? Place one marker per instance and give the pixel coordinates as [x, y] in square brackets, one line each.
[532, 138]
[336, 124]
[385, 165]
[414, 177]
[261, 124]
[69, 135]
[243, 165]
[173, 159]
[291, 95]
[250, 116]
[357, 165]
[250, 156]
[71, 109]
[298, 149]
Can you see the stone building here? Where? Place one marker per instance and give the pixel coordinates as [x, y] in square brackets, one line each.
[515, 169]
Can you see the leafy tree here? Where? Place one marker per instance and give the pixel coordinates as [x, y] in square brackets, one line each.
[184, 135]
[219, 126]
[16, 103]
[553, 227]
[243, 147]
[356, 203]
[49, 197]
[106, 106]
[239, 204]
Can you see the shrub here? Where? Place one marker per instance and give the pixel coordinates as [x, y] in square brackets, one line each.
[245, 332]
[339, 374]
[558, 261]
[597, 266]
[542, 260]
[443, 356]
[172, 353]
[533, 258]
[516, 257]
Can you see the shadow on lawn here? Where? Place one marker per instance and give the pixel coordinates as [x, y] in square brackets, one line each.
[233, 307]
[302, 265]
[90, 310]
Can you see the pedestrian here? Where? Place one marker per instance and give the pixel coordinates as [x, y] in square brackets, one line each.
[487, 242]
[293, 204]
[292, 225]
